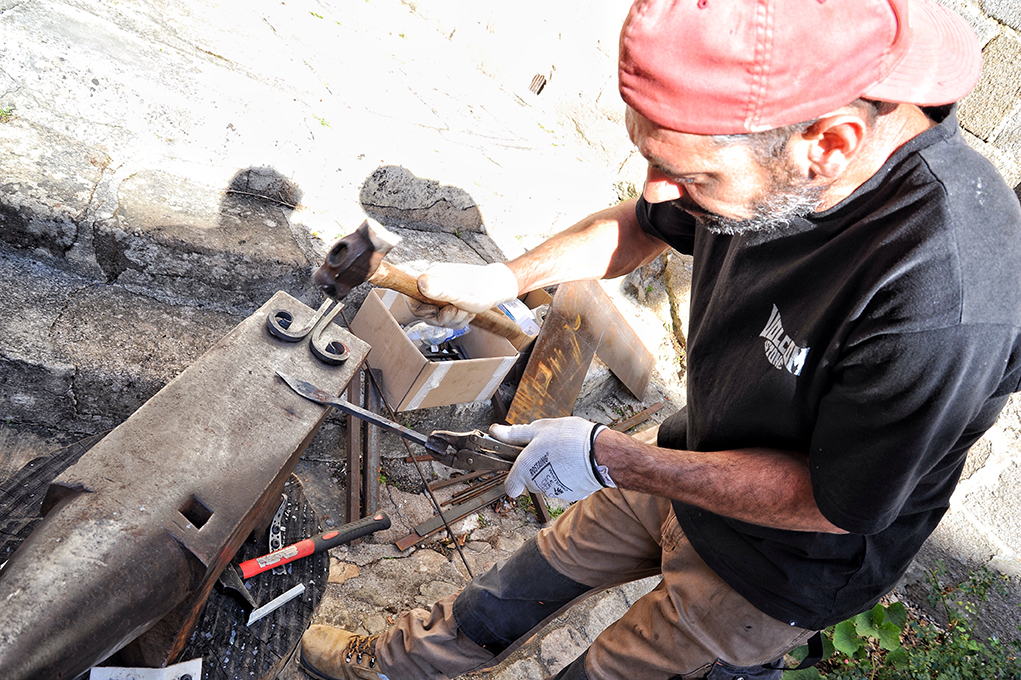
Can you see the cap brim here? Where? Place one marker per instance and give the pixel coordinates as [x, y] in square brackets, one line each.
[941, 66]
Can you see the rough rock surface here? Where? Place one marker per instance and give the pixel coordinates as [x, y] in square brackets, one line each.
[169, 165]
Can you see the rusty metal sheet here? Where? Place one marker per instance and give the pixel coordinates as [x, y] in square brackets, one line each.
[582, 321]
[136, 533]
[619, 348]
[559, 361]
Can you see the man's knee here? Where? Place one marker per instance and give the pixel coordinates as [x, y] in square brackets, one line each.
[510, 599]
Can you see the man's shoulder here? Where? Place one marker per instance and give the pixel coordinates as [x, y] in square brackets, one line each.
[981, 217]
[937, 237]
[941, 188]
[966, 173]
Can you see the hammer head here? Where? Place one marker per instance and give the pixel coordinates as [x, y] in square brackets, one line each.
[354, 259]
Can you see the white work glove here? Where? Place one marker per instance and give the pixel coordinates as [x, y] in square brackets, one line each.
[447, 316]
[468, 288]
[557, 459]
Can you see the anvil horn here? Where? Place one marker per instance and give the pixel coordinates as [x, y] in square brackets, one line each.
[87, 581]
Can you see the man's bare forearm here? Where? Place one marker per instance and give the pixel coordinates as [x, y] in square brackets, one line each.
[768, 487]
[605, 245]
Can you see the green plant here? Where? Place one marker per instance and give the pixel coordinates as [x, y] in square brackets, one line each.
[965, 598]
[6, 114]
[861, 644]
[955, 654]
[554, 512]
[884, 644]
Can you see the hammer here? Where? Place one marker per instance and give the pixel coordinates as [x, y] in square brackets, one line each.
[358, 257]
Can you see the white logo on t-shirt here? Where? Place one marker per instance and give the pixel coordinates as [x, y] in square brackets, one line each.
[780, 349]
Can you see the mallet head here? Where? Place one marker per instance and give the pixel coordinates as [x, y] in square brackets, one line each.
[354, 259]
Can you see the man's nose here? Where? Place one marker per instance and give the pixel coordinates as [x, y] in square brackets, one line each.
[659, 188]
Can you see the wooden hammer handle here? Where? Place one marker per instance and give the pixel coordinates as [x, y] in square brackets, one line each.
[494, 321]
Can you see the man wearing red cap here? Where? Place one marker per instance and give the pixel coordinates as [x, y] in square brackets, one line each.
[855, 315]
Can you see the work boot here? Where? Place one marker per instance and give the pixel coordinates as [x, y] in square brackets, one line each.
[331, 653]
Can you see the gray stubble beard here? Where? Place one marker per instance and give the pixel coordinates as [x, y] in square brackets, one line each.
[789, 198]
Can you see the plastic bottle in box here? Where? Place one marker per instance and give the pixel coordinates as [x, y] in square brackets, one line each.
[431, 337]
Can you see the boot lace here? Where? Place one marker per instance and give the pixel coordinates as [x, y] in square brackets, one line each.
[359, 646]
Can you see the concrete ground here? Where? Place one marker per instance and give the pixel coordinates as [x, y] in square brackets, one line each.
[168, 165]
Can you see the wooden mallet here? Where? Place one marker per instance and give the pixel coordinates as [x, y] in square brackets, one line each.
[358, 257]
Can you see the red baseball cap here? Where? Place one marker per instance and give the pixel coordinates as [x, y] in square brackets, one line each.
[735, 66]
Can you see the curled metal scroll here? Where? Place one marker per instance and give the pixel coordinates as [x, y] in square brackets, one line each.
[332, 352]
[279, 323]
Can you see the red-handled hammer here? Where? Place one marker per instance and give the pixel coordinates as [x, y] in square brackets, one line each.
[316, 544]
[231, 577]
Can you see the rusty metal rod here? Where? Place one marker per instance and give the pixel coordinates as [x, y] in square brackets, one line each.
[439, 522]
[637, 419]
[476, 489]
[444, 483]
[352, 494]
[474, 494]
[370, 458]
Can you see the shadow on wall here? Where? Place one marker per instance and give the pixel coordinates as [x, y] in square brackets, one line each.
[260, 193]
[199, 243]
[394, 196]
[255, 224]
[264, 184]
[434, 222]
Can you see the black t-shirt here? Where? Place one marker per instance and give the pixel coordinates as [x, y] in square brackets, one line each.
[881, 337]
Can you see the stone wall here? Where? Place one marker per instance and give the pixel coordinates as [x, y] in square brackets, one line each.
[991, 114]
[575, 52]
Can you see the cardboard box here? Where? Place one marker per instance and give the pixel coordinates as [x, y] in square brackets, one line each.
[410, 381]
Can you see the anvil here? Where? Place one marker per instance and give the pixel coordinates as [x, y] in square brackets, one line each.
[136, 533]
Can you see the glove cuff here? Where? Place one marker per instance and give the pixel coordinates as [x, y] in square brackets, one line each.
[503, 284]
[600, 472]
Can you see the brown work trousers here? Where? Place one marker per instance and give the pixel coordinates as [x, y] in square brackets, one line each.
[685, 624]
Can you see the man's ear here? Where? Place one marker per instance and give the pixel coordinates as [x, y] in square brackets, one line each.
[831, 143]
